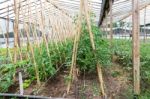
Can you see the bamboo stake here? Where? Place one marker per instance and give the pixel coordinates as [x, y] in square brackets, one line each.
[100, 78]
[15, 31]
[107, 28]
[33, 57]
[94, 49]
[111, 30]
[22, 36]
[45, 40]
[55, 29]
[20, 83]
[42, 28]
[58, 32]
[89, 26]
[7, 29]
[36, 26]
[60, 35]
[32, 51]
[5, 39]
[7, 36]
[72, 73]
[145, 24]
[54, 36]
[18, 37]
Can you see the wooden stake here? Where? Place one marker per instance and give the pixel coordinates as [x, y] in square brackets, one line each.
[94, 48]
[111, 30]
[7, 35]
[72, 73]
[33, 57]
[15, 30]
[145, 24]
[20, 83]
[27, 31]
[100, 78]
[136, 46]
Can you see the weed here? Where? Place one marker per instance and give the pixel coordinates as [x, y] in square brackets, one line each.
[115, 73]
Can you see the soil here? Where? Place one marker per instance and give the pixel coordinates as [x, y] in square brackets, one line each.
[117, 87]
[87, 86]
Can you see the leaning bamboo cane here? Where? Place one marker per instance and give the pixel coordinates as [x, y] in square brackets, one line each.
[22, 36]
[16, 9]
[5, 40]
[72, 73]
[7, 30]
[42, 29]
[7, 37]
[17, 48]
[32, 51]
[145, 24]
[33, 57]
[94, 48]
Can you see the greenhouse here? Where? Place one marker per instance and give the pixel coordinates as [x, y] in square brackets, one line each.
[74, 49]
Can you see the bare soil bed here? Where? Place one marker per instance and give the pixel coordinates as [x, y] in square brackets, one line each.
[87, 86]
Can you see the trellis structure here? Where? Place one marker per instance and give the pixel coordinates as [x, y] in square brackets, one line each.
[52, 20]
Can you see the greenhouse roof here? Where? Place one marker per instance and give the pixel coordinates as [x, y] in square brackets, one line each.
[122, 9]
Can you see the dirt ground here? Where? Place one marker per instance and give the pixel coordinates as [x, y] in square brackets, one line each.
[87, 87]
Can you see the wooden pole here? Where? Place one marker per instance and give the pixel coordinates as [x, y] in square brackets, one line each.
[20, 83]
[125, 31]
[111, 30]
[145, 24]
[136, 46]
[7, 35]
[100, 75]
[107, 28]
[15, 30]
[72, 73]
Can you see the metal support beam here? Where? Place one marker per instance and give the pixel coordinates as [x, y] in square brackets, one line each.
[17, 96]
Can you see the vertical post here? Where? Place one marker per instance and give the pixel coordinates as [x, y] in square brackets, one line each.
[136, 46]
[145, 24]
[15, 31]
[125, 25]
[107, 28]
[20, 83]
[7, 35]
[111, 30]
[106, 31]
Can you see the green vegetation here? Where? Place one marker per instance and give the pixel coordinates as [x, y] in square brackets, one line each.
[60, 57]
[7, 73]
[57, 56]
[123, 49]
[115, 73]
[85, 56]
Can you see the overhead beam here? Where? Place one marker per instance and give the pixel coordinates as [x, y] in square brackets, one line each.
[49, 1]
[4, 1]
[140, 8]
[12, 20]
[105, 7]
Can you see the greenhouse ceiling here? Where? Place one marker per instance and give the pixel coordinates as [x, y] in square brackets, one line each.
[122, 9]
